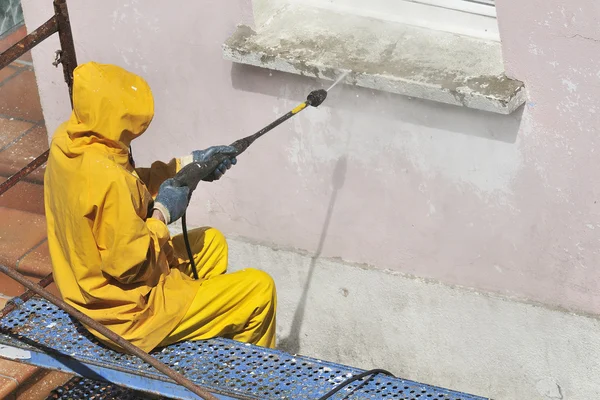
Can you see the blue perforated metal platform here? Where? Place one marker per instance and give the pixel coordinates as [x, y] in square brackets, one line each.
[85, 389]
[39, 333]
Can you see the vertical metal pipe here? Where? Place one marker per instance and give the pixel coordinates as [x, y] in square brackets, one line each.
[68, 59]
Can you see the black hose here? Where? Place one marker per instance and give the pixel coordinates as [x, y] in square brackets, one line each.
[354, 378]
[188, 247]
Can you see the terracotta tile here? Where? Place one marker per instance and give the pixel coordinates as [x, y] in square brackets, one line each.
[7, 41]
[16, 289]
[7, 386]
[42, 385]
[25, 61]
[26, 57]
[11, 288]
[7, 72]
[36, 177]
[52, 289]
[37, 263]
[21, 153]
[24, 196]
[12, 38]
[11, 130]
[19, 98]
[8, 287]
[18, 371]
[19, 232]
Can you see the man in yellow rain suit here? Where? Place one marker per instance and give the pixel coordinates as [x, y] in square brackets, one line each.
[112, 255]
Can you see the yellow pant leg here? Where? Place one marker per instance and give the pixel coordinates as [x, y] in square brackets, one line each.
[210, 252]
[239, 306]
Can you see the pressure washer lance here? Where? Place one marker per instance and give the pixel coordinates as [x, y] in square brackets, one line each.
[193, 173]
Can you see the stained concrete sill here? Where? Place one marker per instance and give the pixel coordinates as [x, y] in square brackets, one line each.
[381, 55]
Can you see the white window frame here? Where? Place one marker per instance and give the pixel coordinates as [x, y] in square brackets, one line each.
[475, 18]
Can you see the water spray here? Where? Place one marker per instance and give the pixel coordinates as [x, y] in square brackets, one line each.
[193, 173]
[334, 84]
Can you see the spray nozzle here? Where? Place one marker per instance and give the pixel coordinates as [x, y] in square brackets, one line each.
[316, 97]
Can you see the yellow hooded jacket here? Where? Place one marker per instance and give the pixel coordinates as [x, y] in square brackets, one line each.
[111, 261]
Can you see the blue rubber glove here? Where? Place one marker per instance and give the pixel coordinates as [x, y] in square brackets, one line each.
[205, 155]
[171, 200]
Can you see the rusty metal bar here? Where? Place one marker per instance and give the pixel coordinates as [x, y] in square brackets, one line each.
[67, 54]
[118, 340]
[28, 42]
[29, 168]
[15, 302]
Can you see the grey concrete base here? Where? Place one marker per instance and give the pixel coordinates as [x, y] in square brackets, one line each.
[426, 331]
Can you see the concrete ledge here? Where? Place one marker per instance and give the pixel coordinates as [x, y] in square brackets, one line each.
[381, 55]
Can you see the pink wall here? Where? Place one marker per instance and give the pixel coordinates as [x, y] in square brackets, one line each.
[498, 203]
[554, 46]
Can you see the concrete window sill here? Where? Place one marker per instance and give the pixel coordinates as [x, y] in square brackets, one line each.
[381, 55]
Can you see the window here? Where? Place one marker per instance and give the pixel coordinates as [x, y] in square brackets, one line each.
[476, 18]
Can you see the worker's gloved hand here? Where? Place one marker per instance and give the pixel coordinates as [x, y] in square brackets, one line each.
[207, 154]
[171, 200]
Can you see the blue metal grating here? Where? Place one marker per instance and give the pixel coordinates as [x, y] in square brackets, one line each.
[86, 389]
[230, 369]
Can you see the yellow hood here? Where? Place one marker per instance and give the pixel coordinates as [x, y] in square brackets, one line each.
[110, 105]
